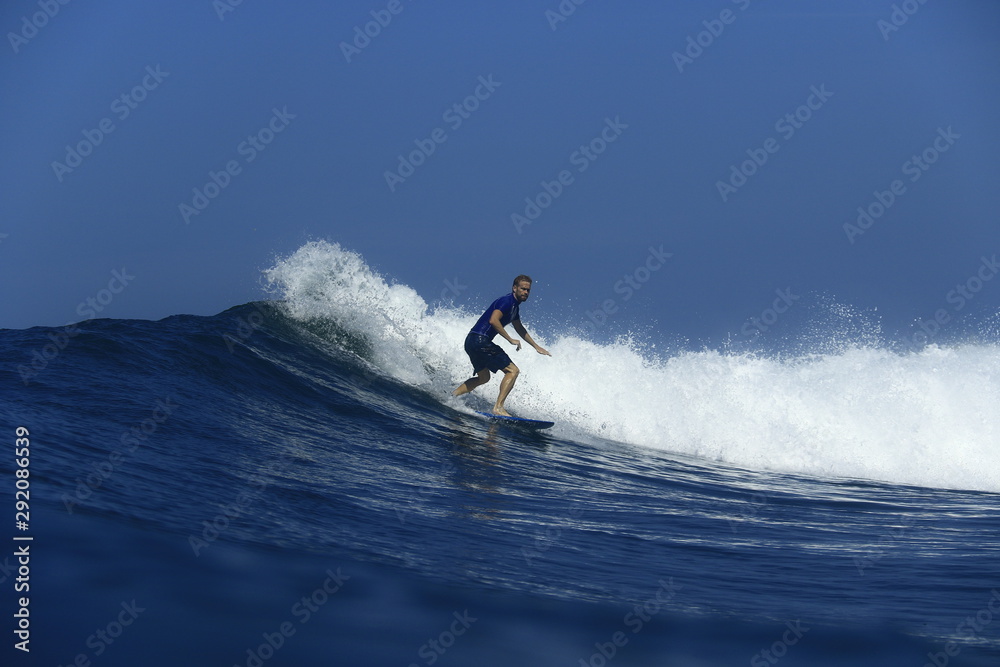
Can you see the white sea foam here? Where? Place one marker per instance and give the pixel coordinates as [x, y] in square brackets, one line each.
[927, 418]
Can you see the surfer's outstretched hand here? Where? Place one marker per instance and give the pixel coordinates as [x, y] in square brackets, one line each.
[542, 350]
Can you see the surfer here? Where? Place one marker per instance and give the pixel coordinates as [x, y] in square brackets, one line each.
[486, 355]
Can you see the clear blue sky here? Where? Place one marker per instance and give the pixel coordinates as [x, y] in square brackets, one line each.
[200, 81]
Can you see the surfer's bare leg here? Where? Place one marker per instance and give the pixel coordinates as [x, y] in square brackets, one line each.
[482, 377]
[509, 378]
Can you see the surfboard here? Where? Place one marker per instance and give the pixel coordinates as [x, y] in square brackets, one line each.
[517, 421]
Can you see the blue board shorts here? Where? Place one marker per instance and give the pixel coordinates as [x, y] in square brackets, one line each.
[484, 353]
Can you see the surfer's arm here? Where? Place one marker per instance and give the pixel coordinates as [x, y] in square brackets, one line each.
[523, 333]
[495, 321]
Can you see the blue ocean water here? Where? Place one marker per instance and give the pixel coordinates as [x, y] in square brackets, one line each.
[289, 483]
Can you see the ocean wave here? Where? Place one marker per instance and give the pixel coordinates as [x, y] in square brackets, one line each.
[922, 417]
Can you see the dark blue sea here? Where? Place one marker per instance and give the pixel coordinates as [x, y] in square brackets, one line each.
[289, 482]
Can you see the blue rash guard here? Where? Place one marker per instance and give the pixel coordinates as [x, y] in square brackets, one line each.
[479, 345]
[507, 305]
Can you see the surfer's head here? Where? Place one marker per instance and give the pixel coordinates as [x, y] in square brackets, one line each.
[522, 287]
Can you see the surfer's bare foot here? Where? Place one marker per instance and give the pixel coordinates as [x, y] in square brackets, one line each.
[501, 412]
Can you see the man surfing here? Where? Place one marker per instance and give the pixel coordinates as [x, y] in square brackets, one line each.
[487, 356]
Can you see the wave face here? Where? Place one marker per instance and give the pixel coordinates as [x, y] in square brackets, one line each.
[925, 418]
[290, 481]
